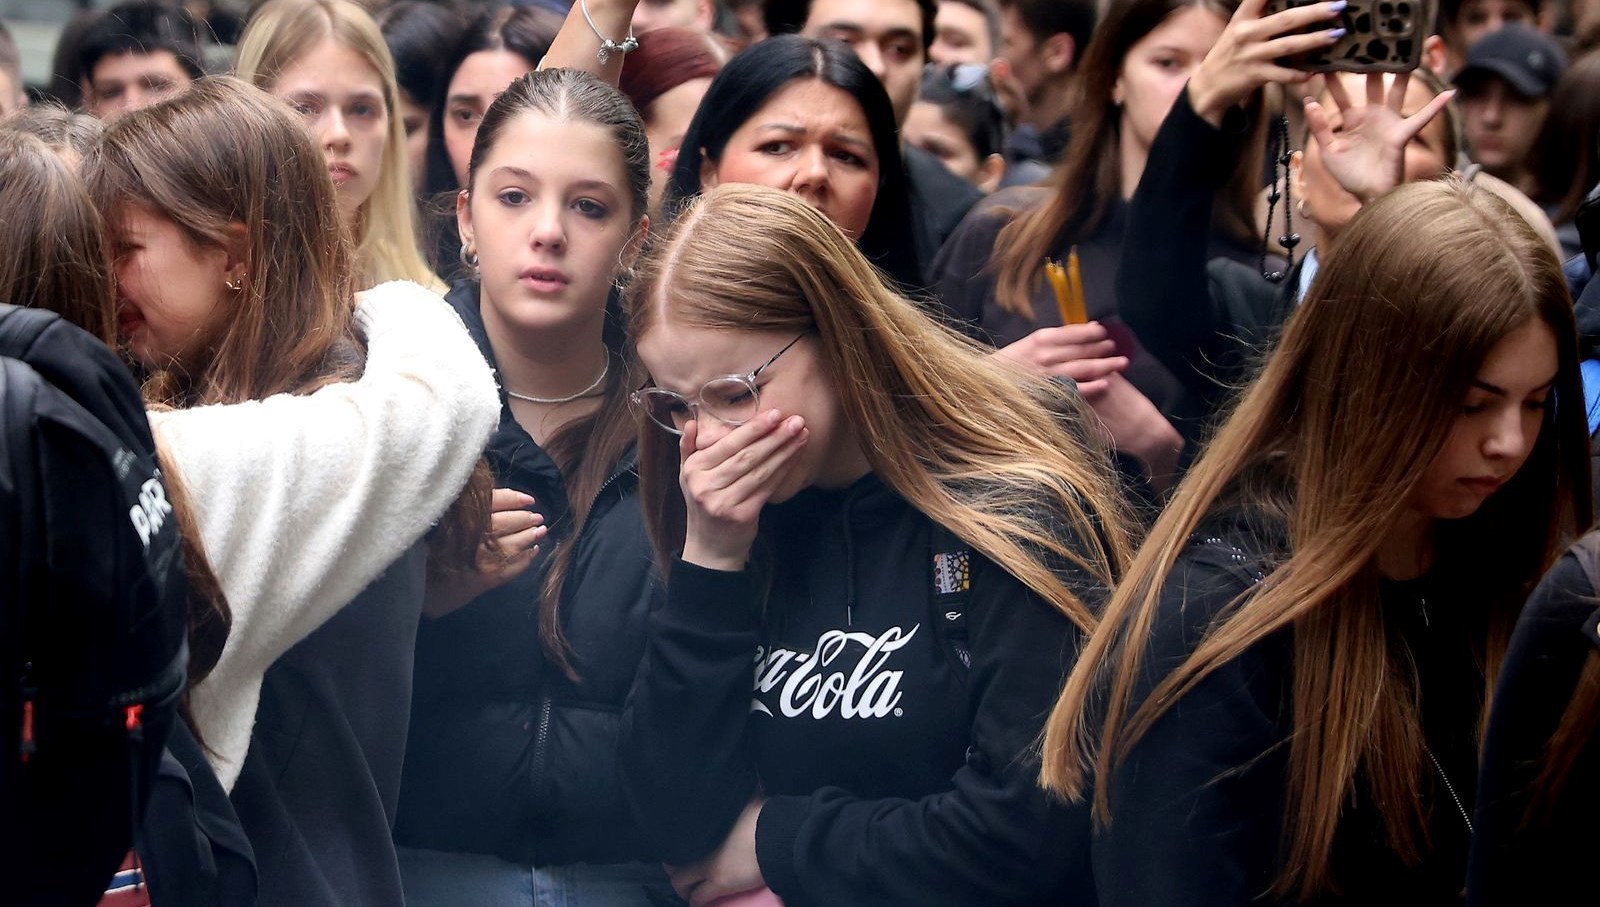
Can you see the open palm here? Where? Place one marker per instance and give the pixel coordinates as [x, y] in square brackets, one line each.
[1366, 154]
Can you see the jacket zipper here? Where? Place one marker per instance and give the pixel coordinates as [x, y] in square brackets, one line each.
[541, 746]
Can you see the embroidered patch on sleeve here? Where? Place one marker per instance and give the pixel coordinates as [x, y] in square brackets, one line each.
[952, 572]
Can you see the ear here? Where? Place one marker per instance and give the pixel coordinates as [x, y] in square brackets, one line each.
[636, 243]
[990, 172]
[235, 247]
[708, 172]
[1435, 56]
[1297, 173]
[705, 15]
[1117, 91]
[464, 217]
[1060, 53]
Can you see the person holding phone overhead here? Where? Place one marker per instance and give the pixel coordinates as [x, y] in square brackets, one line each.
[1205, 317]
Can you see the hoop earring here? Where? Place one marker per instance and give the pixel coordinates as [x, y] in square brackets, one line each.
[469, 259]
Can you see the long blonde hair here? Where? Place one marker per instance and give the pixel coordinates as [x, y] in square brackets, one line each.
[283, 31]
[987, 451]
[1351, 409]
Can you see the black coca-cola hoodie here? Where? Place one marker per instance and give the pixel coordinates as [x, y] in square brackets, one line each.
[896, 775]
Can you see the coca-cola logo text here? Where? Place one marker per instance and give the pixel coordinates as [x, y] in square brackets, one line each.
[812, 684]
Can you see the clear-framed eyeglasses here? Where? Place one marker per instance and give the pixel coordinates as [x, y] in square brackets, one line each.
[732, 399]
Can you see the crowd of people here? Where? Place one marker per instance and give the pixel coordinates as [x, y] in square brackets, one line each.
[633, 453]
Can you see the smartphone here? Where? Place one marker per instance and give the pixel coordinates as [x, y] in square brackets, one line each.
[1379, 36]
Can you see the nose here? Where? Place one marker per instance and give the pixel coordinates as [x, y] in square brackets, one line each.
[873, 57]
[548, 230]
[709, 429]
[810, 180]
[335, 135]
[1508, 435]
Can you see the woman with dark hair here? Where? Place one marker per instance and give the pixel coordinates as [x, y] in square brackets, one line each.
[806, 116]
[794, 113]
[419, 35]
[665, 79]
[957, 119]
[502, 44]
[511, 793]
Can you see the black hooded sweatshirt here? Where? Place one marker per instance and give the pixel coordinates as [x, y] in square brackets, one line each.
[896, 775]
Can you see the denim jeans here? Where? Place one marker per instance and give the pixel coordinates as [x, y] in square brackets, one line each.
[434, 878]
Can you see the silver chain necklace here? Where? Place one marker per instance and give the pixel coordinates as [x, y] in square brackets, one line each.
[550, 401]
[1451, 788]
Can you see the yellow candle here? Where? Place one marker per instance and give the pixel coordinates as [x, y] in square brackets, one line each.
[1057, 276]
[1080, 311]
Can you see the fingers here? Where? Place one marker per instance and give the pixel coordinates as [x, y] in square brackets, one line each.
[518, 542]
[1300, 17]
[1317, 120]
[752, 488]
[730, 444]
[1289, 45]
[1093, 390]
[1249, 9]
[509, 499]
[723, 464]
[1420, 120]
[685, 879]
[1337, 92]
[1374, 89]
[1397, 92]
[507, 522]
[1081, 370]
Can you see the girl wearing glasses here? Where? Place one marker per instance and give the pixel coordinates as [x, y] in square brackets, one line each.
[509, 784]
[906, 536]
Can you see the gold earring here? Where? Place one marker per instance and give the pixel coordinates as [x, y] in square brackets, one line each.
[236, 284]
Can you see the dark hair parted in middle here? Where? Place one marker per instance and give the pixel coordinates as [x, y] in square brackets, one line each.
[751, 79]
[586, 449]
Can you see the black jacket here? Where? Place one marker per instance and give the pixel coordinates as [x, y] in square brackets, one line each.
[1197, 809]
[319, 785]
[1547, 860]
[895, 775]
[191, 846]
[1206, 318]
[507, 755]
[939, 200]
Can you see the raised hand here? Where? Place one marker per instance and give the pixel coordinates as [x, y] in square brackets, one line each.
[726, 484]
[1366, 155]
[1246, 55]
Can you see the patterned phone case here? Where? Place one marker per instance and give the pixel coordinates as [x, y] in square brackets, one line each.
[1380, 36]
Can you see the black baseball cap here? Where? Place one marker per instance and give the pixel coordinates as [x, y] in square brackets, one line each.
[1530, 61]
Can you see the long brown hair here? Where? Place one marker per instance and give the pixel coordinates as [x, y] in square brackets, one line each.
[1353, 406]
[588, 448]
[981, 448]
[223, 155]
[282, 32]
[56, 256]
[220, 155]
[1575, 731]
[1089, 177]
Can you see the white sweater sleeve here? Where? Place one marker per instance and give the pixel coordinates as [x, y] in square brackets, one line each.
[302, 501]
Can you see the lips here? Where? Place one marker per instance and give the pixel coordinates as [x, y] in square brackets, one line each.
[544, 280]
[1485, 485]
[341, 173]
[129, 318]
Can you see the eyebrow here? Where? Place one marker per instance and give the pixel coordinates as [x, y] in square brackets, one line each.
[843, 137]
[464, 99]
[524, 173]
[1502, 392]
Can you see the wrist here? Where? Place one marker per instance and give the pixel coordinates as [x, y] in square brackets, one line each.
[711, 558]
[1205, 101]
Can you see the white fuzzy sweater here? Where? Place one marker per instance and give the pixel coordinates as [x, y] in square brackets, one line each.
[301, 502]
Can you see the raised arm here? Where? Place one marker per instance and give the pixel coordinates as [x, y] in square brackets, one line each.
[587, 38]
